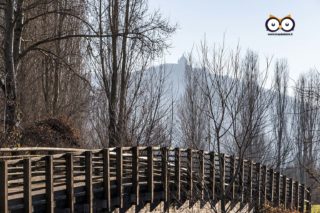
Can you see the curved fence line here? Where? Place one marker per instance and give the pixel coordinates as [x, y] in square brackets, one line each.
[54, 179]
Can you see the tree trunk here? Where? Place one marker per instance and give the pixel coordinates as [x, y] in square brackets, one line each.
[10, 87]
[114, 22]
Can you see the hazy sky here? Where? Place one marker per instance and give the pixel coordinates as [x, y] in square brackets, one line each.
[243, 22]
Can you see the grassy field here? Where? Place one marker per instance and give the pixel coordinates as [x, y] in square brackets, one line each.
[315, 208]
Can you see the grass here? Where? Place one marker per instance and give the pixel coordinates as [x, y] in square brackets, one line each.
[315, 208]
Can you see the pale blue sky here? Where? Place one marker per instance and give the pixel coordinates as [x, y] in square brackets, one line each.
[243, 22]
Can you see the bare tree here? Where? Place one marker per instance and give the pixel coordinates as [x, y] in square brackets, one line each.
[254, 104]
[192, 117]
[280, 110]
[136, 37]
[305, 123]
[38, 35]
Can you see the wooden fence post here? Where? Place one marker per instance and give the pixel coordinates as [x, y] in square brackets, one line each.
[284, 191]
[201, 168]
[302, 198]
[150, 174]
[297, 202]
[222, 179]
[250, 181]
[265, 185]
[258, 167]
[278, 192]
[88, 175]
[49, 184]
[119, 171]
[233, 176]
[4, 186]
[27, 185]
[177, 174]
[190, 176]
[164, 172]
[135, 173]
[212, 175]
[308, 209]
[70, 181]
[106, 178]
[242, 180]
[291, 193]
[271, 186]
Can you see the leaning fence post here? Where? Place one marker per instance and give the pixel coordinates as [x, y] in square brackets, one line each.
[88, 176]
[150, 173]
[27, 187]
[4, 186]
[177, 174]
[49, 184]
[106, 178]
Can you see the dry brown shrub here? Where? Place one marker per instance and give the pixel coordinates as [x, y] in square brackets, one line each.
[50, 132]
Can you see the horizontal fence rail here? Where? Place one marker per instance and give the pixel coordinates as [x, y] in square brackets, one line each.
[54, 179]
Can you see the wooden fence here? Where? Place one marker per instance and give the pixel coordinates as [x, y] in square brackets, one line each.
[54, 180]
